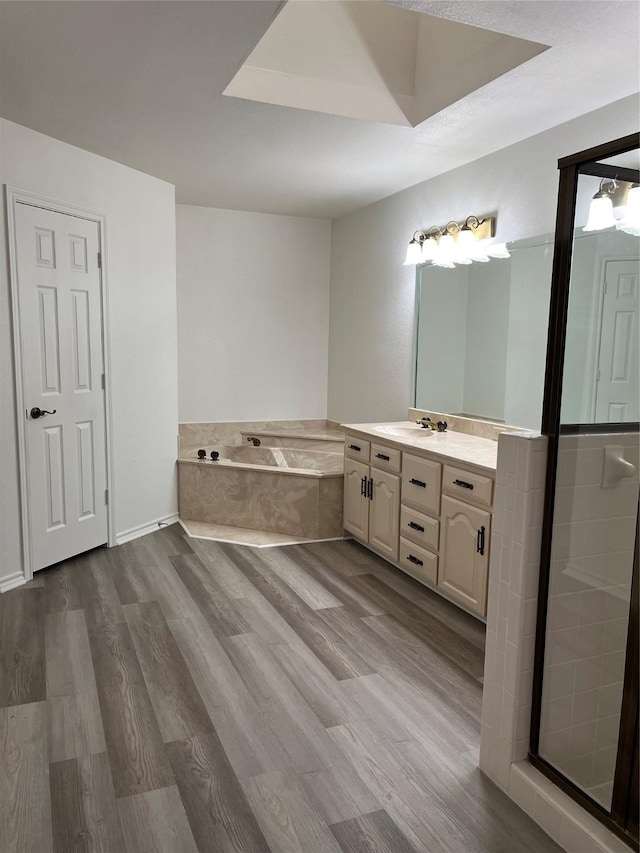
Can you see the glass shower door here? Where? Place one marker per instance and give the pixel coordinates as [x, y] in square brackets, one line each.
[585, 717]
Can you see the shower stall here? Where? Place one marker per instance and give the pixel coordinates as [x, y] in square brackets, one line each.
[584, 733]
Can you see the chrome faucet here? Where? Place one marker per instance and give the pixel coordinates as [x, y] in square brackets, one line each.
[427, 423]
[254, 441]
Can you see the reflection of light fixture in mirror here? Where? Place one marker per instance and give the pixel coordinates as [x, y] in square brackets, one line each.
[498, 250]
[601, 207]
[630, 222]
[457, 243]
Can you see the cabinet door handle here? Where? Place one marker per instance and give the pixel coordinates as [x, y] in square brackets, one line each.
[415, 526]
[355, 447]
[363, 487]
[420, 483]
[382, 456]
[370, 489]
[463, 484]
[480, 541]
[415, 560]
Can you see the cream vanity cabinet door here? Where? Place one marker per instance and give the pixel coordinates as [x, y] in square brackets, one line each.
[464, 553]
[356, 501]
[384, 513]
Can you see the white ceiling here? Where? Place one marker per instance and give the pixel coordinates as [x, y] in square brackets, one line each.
[142, 83]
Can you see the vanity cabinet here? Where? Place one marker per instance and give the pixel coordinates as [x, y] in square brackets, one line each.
[372, 501]
[427, 514]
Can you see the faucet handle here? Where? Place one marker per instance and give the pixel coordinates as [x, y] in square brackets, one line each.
[442, 426]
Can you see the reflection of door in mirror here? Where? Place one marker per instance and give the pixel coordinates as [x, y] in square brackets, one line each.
[601, 374]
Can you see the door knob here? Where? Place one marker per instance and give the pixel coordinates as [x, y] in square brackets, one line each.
[40, 413]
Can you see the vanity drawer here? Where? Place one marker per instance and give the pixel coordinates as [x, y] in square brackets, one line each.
[419, 528]
[385, 457]
[467, 486]
[356, 448]
[421, 483]
[418, 561]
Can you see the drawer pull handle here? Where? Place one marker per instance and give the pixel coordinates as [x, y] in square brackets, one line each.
[355, 447]
[420, 483]
[414, 526]
[363, 487]
[463, 484]
[480, 541]
[382, 456]
[415, 560]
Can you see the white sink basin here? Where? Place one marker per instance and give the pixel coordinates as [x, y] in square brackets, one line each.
[402, 430]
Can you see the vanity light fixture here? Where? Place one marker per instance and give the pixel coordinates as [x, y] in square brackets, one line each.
[456, 243]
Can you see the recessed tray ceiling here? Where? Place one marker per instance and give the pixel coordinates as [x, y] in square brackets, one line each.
[373, 62]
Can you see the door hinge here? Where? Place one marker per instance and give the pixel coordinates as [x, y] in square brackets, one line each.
[106, 496]
[102, 381]
[99, 260]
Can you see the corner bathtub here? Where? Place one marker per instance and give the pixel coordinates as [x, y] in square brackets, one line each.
[274, 489]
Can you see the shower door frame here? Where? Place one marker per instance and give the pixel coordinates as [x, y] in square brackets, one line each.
[585, 163]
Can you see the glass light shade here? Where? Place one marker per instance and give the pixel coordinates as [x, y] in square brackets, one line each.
[446, 252]
[630, 222]
[429, 250]
[465, 246]
[600, 213]
[498, 250]
[414, 254]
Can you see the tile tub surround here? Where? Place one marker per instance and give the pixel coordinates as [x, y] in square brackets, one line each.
[195, 435]
[508, 673]
[330, 442]
[312, 463]
[304, 505]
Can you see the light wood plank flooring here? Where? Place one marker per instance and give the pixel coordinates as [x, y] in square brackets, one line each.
[176, 694]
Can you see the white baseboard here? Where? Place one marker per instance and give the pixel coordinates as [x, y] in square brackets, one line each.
[12, 581]
[144, 529]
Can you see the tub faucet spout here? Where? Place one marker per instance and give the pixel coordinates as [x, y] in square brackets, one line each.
[254, 441]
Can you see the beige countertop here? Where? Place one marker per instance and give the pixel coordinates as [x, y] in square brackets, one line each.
[452, 446]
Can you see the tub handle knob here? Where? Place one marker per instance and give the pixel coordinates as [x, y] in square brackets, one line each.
[202, 454]
[215, 455]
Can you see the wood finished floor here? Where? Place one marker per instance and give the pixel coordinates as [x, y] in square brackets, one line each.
[176, 695]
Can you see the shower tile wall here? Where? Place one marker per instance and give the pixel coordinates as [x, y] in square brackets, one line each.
[592, 558]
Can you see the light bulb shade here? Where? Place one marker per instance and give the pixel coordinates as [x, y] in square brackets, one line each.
[429, 250]
[600, 213]
[630, 222]
[498, 250]
[447, 248]
[414, 254]
[465, 246]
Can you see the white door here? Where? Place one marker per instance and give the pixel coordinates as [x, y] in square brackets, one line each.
[617, 375]
[60, 318]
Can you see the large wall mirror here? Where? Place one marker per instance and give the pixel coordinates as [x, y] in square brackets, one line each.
[482, 332]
